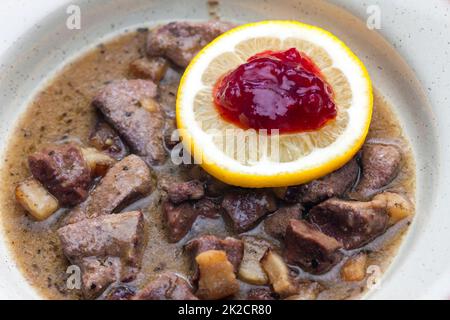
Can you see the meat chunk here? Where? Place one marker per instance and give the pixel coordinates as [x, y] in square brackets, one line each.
[106, 139]
[120, 292]
[181, 41]
[310, 249]
[245, 208]
[334, 184]
[98, 273]
[215, 187]
[127, 180]
[260, 294]
[171, 135]
[63, 171]
[208, 208]
[117, 235]
[153, 68]
[380, 165]
[129, 106]
[167, 97]
[354, 223]
[234, 248]
[168, 286]
[189, 190]
[276, 224]
[107, 249]
[179, 219]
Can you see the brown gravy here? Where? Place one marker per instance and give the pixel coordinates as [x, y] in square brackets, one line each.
[61, 111]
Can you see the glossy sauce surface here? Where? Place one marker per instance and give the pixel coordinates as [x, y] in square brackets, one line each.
[281, 90]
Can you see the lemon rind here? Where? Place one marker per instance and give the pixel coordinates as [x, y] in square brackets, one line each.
[244, 179]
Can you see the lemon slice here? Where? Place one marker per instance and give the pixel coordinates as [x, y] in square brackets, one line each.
[255, 159]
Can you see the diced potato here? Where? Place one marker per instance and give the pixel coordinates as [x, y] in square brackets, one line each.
[149, 68]
[354, 268]
[40, 203]
[97, 161]
[278, 274]
[306, 291]
[397, 206]
[217, 279]
[250, 269]
[149, 104]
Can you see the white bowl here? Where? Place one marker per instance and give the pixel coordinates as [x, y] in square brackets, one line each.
[30, 57]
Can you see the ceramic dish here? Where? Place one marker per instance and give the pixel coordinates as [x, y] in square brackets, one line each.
[421, 265]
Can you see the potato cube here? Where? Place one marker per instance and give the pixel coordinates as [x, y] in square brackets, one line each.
[149, 104]
[149, 68]
[278, 274]
[97, 161]
[217, 279]
[40, 203]
[250, 269]
[354, 268]
[397, 206]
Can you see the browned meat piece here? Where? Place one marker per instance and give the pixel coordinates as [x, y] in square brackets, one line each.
[167, 96]
[106, 139]
[260, 294]
[181, 41]
[276, 224]
[234, 248]
[63, 171]
[107, 249]
[179, 219]
[117, 235]
[380, 165]
[353, 223]
[334, 184]
[153, 68]
[126, 181]
[120, 292]
[129, 106]
[310, 249]
[168, 286]
[207, 208]
[245, 208]
[215, 187]
[189, 190]
[98, 274]
[171, 138]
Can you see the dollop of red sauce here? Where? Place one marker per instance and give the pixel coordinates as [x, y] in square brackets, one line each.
[282, 90]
